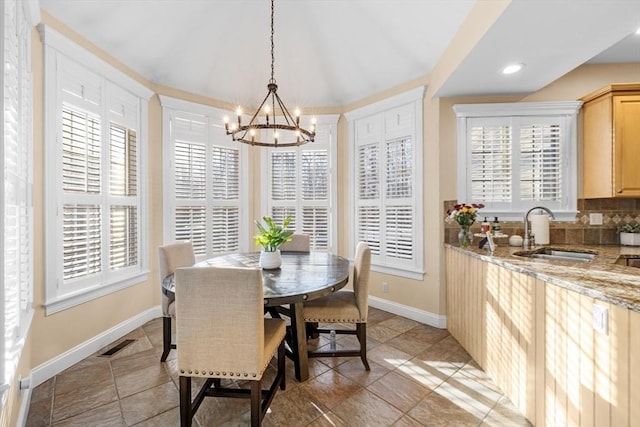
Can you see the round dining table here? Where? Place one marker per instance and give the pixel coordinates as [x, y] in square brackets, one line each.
[303, 276]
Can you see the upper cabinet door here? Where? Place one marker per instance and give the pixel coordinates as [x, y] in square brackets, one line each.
[611, 117]
[626, 131]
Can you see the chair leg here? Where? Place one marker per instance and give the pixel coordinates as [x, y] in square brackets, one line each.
[361, 333]
[185, 402]
[166, 338]
[256, 403]
[281, 368]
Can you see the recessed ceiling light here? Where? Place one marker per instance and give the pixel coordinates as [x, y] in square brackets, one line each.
[638, 31]
[512, 68]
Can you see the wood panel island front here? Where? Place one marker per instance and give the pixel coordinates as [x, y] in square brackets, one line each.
[561, 339]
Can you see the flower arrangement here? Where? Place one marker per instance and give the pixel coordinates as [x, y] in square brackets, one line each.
[464, 214]
[271, 236]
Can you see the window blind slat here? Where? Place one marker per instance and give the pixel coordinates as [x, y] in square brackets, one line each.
[190, 170]
[315, 223]
[369, 223]
[315, 175]
[225, 172]
[284, 175]
[369, 171]
[225, 229]
[191, 224]
[491, 172]
[81, 240]
[399, 168]
[123, 237]
[81, 152]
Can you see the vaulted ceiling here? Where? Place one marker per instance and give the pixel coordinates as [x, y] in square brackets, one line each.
[336, 52]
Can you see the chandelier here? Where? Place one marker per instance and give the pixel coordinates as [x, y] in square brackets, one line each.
[280, 128]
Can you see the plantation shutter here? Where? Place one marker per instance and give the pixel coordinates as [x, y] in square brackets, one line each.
[225, 172]
[284, 186]
[207, 185]
[123, 115]
[369, 197]
[189, 133]
[81, 185]
[515, 156]
[387, 182]
[540, 162]
[16, 210]
[299, 187]
[398, 218]
[491, 171]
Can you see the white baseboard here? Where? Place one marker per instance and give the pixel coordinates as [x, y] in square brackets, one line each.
[23, 411]
[435, 320]
[54, 366]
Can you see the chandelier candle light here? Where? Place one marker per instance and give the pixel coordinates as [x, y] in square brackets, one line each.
[285, 133]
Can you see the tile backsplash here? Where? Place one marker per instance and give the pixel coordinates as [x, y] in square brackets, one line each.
[614, 212]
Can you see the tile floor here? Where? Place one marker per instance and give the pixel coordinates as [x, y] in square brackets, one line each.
[420, 376]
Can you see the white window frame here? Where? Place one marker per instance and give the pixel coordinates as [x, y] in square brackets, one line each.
[58, 50]
[516, 115]
[214, 117]
[16, 210]
[410, 268]
[327, 125]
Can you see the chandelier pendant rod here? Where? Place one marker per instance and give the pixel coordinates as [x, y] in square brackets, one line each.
[290, 125]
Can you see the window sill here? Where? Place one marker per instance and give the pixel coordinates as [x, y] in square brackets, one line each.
[400, 272]
[80, 297]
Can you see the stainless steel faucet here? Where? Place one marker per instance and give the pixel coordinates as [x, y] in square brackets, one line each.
[526, 241]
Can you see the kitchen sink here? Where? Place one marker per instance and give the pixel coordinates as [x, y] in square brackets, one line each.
[557, 254]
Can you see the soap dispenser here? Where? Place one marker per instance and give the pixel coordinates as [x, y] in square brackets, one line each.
[485, 227]
[495, 227]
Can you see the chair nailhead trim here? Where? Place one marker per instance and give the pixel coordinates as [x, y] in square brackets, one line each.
[230, 374]
[210, 372]
[246, 375]
[224, 373]
[217, 372]
[196, 372]
[255, 375]
[182, 371]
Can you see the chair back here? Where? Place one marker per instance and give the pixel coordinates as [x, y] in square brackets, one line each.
[174, 256]
[220, 322]
[171, 257]
[298, 243]
[361, 270]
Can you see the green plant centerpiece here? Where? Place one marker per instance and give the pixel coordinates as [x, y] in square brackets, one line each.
[629, 234]
[271, 236]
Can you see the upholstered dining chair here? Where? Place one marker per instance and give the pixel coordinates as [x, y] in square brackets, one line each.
[171, 257]
[223, 334]
[345, 307]
[298, 243]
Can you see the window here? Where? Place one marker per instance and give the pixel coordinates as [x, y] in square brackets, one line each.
[512, 157]
[206, 180]
[301, 184]
[386, 148]
[95, 149]
[16, 209]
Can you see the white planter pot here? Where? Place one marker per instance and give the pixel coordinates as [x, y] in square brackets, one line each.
[630, 239]
[270, 260]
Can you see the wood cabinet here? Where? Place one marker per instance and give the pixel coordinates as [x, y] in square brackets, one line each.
[611, 136]
[537, 342]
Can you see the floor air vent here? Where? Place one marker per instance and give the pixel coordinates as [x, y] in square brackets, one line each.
[113, 350]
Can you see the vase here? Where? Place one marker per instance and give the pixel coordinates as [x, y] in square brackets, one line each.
[630, 239]
[465, 236]
[270, 260]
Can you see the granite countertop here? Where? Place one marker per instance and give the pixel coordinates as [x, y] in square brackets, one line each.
[600, 278]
